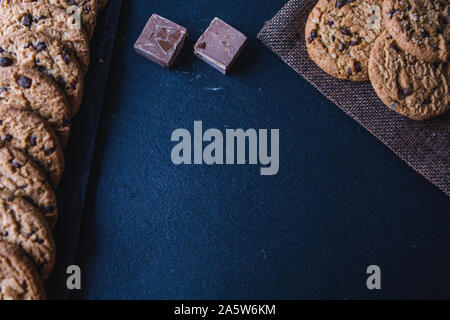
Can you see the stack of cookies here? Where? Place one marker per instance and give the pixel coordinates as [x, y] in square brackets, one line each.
[401, 46]
[44, 56]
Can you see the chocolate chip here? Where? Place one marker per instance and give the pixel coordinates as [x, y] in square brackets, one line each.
[407, 92]
[350, 1]
[28, 199]
[340, 4]
[7, 138]
[424, 33]
[342, 46]
[312, 36]
[39, 67]
[49, 151]
[333, 38]
[40, 46]
[16, 164]
[61, 83]
[5, 62]
[350, 72]
[345, 32]
[389, 37]
[391, 13]
[24, 82]
[3, 89]
[48, 209]
[32, 140]
[355, 42]
[39, 240]
[394, 47]
[27, 20]
[66, 56]
[407, 26]
[329, 23]
[358, 67]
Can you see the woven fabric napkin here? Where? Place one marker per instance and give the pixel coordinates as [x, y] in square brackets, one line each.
[425, 146]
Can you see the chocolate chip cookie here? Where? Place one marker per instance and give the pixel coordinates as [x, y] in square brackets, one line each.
[420, 27]
[47, 55]
[407, 85]
[19, 279]
[340, 34]
[22, 177]
[87, 9]
[23, 225]
[47, 19]
[29, 89]
[26, 131]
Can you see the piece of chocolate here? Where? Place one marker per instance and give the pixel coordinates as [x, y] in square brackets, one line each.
[220, 45]
[161, 41]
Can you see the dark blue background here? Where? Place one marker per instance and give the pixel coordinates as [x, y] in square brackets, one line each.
[341, 201]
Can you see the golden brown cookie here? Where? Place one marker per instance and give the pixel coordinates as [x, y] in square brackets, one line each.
[86, 8]
[23, 225]
[19, 279]
[29, 89]
[340, 34]
[26, 131]
[38, 51]
[420, 27]
[50, 20]
[22, 177]
[407, 85]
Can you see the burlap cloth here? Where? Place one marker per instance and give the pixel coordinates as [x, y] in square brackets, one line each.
[422, 145]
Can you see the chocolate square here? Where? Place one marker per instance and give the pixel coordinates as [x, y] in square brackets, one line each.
[161, 41]
[220, 45]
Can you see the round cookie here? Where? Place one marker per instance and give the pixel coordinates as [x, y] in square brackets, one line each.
[19, 279]
[30, 89]
[47, 19]
[36, 50]
[20, 176]
[413, 88]
[26, 131]
[340, 34]
[23, 225]
[87, 10]
[420, 27]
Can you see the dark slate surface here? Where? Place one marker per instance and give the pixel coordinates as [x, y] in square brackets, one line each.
[341, 201]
